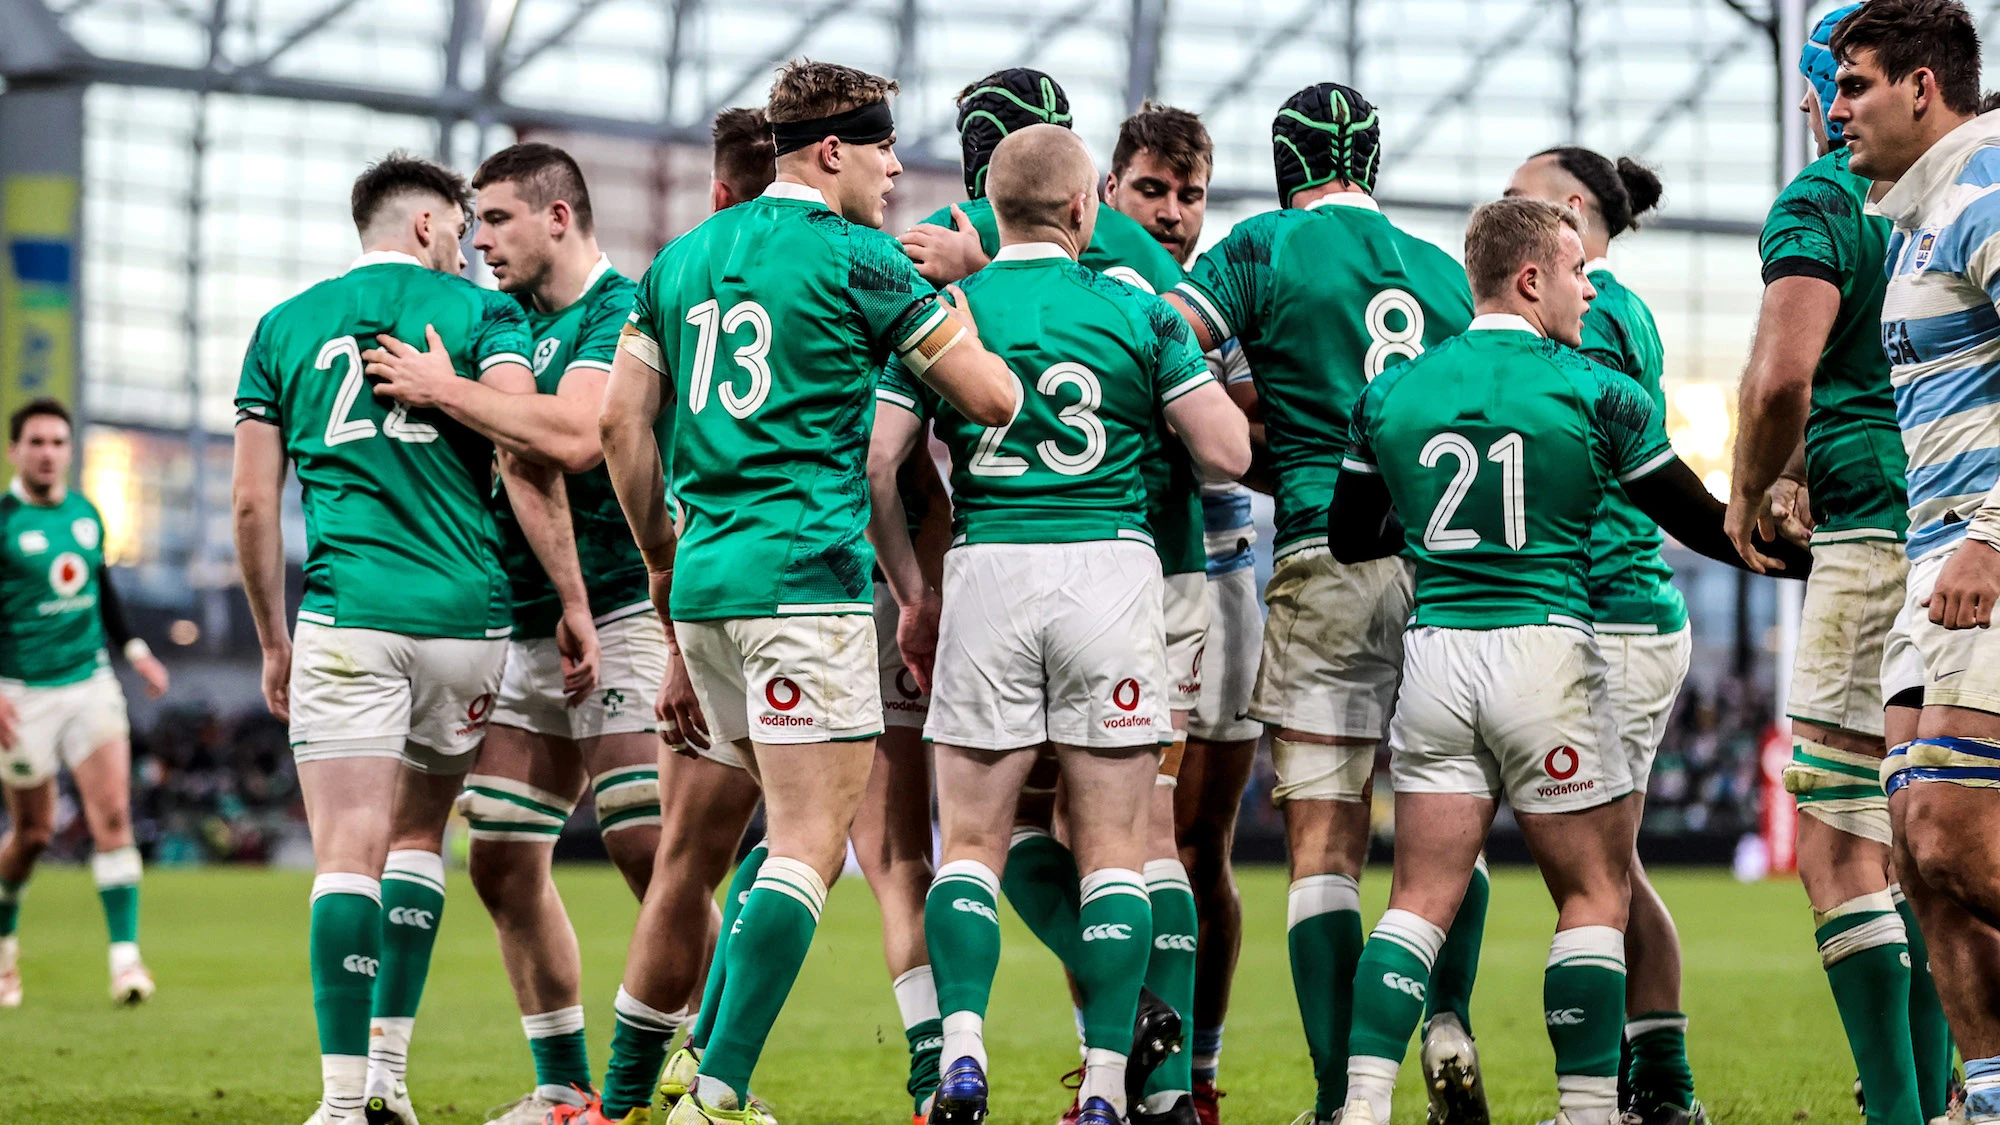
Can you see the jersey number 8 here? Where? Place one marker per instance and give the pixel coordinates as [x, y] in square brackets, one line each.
[341, 426]
[1384, 342]
[1081, 415]
[1438, 534]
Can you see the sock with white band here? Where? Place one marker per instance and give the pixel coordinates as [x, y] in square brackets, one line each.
[562, 1053]
[1323, 933]
[1390, 980]
[345, 943]
[412, 909]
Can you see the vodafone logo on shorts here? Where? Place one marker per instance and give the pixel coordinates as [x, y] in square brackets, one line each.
[1561, 763]
[1192, 684]
[1125, 695]
[477, 712]
[783, 693]
[912, 696]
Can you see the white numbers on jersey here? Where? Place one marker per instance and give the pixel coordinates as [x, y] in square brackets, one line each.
[1439, 535]
[710, 322]
[1129, 276]
[1081, 416]
[1385, 342]
[341, 427]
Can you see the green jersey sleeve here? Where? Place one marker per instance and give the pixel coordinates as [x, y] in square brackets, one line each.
[899, 310]
[501, 334]
[1178, 366]
[1360, 455]
[597, 338]
[896, 385]
[1604, 342]
[1227, 287]
[257, 387]
[1625, 417]
[1809, 232]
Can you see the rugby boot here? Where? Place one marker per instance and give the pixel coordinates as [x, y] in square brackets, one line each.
[1451, 1074]
[677, 1077]
[1182, 1112]
[392, 1110]
[1156, 1035]
[591, 1112]
[1207, 1102]
[131, 986]
[1097, 1111]
[1665, 1115]
[961, 1095]
[528, 1109]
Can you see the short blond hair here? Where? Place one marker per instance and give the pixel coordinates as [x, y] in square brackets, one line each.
[1508, 232]
[806, 90]
[1036, 172]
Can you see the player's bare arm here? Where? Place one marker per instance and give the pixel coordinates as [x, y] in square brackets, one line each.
[1216, 433]
[1792, 328]
[945, 255]
[919, 477]
[1674, 498]
[559, 429]
[257, 488]
[118, 632]
[896, 433]
[975, 381]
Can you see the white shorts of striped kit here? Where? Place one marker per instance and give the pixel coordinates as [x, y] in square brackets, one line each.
[631, 664]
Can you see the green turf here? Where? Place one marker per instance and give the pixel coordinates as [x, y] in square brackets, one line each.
[229, 1038]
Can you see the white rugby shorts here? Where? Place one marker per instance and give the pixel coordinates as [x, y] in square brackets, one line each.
[1961, 666]
[1229, 660]
[1185, 608]
[631, 664]
[1058, 642]
[902, 704]
[61, 726]
[1521, 709]
[1852, 598]
[1643, 673]
[367, 693]
[785, 681]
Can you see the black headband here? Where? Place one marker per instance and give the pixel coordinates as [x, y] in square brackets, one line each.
[863, 125]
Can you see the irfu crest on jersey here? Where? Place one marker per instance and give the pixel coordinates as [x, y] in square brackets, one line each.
[86, 532]
[544, 352]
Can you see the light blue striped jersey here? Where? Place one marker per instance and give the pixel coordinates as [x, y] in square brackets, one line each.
[1940, 329]
[1228, 528]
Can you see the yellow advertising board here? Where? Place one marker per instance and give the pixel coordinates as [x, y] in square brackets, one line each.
[38, 292]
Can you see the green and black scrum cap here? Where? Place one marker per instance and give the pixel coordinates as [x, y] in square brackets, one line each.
[1324, 133]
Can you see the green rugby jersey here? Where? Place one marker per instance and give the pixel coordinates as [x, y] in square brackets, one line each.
[1096, 359]
[1855, 462]
[1323, 299]
[51, 631]
[583, 334]
[771, 319]
[398, 533]
[1120, 247]
[1631, 587]
[1498, 447]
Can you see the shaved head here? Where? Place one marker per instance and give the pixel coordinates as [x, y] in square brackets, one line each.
[1037, 178]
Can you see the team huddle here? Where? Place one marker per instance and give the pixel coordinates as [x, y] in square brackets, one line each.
[681, 542]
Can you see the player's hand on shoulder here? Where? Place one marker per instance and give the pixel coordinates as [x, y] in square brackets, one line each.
[407, 375]
[1967, 587]
[945, 254]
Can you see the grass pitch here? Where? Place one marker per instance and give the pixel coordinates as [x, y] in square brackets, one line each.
[229, 1037]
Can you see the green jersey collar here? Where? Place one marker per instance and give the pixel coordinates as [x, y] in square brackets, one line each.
[20, 492]
[1596, 264]
[1346, 199]
[1501, 322]
[383, 258]
[1030, 252]
[798, 193]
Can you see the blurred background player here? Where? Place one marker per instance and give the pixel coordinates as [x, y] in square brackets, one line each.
[386, 721]
[1159, 178]
[1047, 515]
[547, 740]
[1818, 382]
[1323, 296]
[775, 644]
[1640, 619]
[1906, 100]
[1498, 448]
[60, 705]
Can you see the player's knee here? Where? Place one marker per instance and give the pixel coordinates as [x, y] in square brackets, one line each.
[30, 839]
[1939, 854]
[502, 881]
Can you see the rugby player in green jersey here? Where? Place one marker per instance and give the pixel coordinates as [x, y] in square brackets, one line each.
[546, 741]
[1495, 450]
[1049, 516]
[1323, 295]
[1641, 620]
[771, 320]
[60, 705]
[387, 695]
[1818, 382]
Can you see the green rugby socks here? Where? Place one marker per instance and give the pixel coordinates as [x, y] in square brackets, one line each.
[1583, 1004]
[1458, 962]
[117, 873]
[1114, 943]
[923, 1027]
[1390, 980]
[412, 909]
[1323, 931]
[10, 905]
[345, 949]
[1656, 1069]
[1866, 953]
[1930, 1035]
[718, 962]
[1041, 885]
[773, 935]
[1170, 973]
[640, 1035]
[962, 931]
[562, 1054]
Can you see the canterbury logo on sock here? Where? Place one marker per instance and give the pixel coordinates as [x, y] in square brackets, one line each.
[1404, 985]
[1563, 1017]
[356, 963]
[934, 1043]
[1183, 943]
[1108, 931]
[970, 906]
[411, 916]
